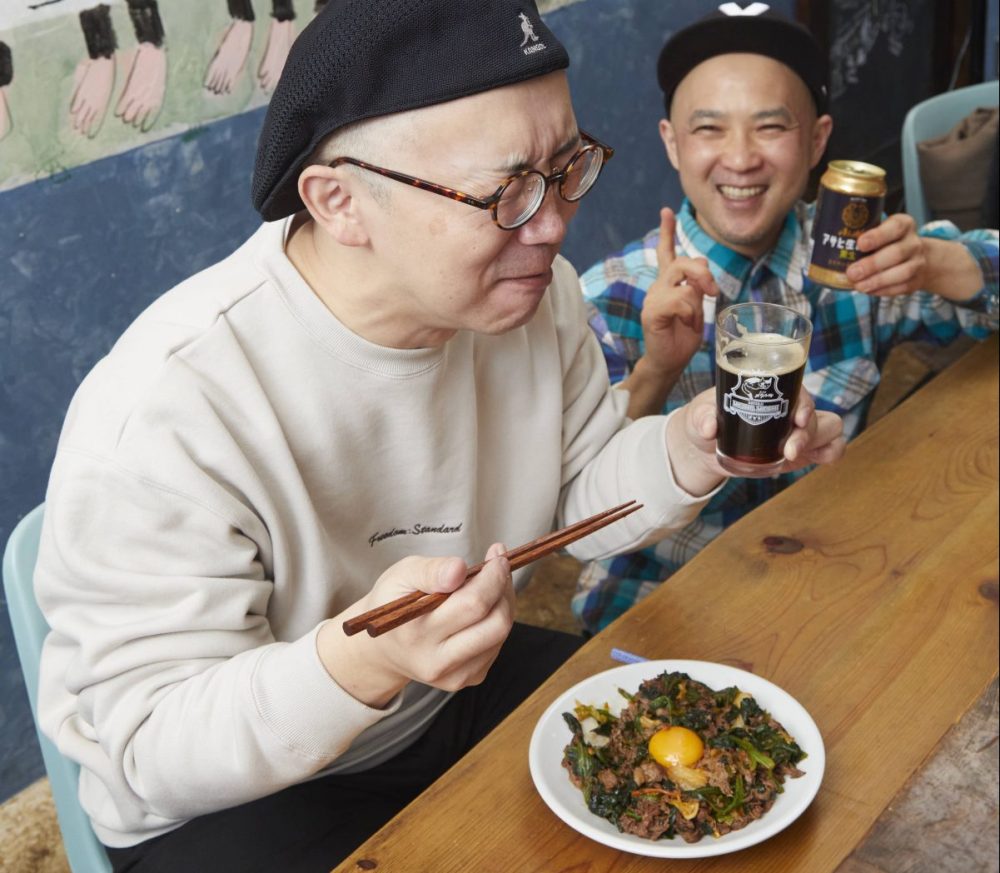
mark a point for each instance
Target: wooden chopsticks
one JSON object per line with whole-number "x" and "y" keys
{"x": 401, "y": 610}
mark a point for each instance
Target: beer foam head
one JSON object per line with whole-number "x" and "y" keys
{"x": 768, "y": 353}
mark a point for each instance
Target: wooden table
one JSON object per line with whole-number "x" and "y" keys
{"x": 868, "y": 591}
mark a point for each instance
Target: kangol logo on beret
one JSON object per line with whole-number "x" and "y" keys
{"x": 531, "y": 43}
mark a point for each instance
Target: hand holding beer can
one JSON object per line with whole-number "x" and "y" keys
{"x": 850, "y": 201}
{"x": 760, "y": 355}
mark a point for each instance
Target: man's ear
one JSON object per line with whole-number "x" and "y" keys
{"x": 330, "y": 195}
{"x": 820, "y": 136}
{"x": 670, "y": 141}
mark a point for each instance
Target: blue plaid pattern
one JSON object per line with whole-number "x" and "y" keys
{"x": 852, "y": 336}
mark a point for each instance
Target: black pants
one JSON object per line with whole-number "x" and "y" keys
{"x": 311, "y": 827}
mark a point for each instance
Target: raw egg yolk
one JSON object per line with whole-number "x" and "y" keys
{"x": 675, "y": 745}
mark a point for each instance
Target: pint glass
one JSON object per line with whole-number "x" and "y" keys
{"x": 760, "y": 355}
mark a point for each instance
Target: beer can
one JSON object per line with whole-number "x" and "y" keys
{"x": 850, "y": 201}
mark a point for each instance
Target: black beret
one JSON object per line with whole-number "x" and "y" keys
{"x": 765, "y": 33}
{"x": 360, "y": 59}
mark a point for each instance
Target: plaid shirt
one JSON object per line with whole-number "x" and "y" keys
{"x": 852, "y": 336}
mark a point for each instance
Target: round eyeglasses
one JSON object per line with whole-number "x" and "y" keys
{"x": 519, "y": 197}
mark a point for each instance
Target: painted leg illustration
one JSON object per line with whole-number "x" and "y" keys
{"x": 6, "y": 77}
{"x": 142, "y": 97}
{"x": 280, "y": 36}
{"x": 95, "y": 74}
{"x": 230, "y": 57}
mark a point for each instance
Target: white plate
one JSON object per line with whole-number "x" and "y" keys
{"x": 551, "y": 735}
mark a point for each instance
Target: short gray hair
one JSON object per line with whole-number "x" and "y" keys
{"x": 363, "y": 140}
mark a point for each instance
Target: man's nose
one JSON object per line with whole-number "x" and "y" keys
{"x": 740, "y": 152}
{"x": 548, "y": 225}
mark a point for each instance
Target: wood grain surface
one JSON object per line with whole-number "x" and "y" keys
{"x": 868, "y": 591}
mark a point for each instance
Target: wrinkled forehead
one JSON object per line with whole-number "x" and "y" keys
{"x": 749, "y": 81}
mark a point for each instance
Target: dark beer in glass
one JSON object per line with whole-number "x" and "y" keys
{"x": 760, "y": 356}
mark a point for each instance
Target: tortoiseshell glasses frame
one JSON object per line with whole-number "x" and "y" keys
{"x": 532, "y": 185}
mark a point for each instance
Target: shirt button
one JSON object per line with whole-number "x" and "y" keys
{"x": 839, "y": 400}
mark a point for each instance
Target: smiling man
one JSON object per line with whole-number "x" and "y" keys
{"x": 744, "y": 134}
{"x": 746, "y": 121}
{"x": 392, "y": 374}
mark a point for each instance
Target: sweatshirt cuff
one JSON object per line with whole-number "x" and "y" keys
{"x": 654, "y": 441}
{"x": 658, "y": 487}
{"x": 302, "y": 704}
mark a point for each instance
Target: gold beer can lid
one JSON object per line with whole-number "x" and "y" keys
{"x": 854, "y": 177}
{"x": 858, "y": 168}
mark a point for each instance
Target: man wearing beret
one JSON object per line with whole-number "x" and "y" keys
{"x": 746, "y": 98}
{"x": 392, "y": 374}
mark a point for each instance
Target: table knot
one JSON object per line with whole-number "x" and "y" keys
{"x": 782, "y": 545}
{"x": 990, "y": 590}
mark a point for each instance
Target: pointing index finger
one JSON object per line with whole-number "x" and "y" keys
{"x": 666, "y": 250}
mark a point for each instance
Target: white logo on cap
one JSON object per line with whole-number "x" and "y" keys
{"x": 735, "y": 9}
{"x": 529, "y": 36}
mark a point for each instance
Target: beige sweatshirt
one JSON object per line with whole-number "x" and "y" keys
{"x": 240, "y": 468}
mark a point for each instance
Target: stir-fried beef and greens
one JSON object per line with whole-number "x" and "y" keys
{"x": 679, "y": 759}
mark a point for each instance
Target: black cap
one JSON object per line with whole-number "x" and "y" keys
{"x": 361, "y": 59}
{"x": 763, "y": 33}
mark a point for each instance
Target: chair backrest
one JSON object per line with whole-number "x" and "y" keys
{"x": 83, "y": 849}
{"x": 934, "y": 117}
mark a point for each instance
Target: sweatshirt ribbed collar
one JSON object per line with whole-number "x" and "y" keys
{"x": 324, "y": 327}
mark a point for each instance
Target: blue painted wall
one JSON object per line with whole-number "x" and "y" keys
{"x": 80, "y": 256}
{"x": 83, "y": 253}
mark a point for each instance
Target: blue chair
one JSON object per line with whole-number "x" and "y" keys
{"x": 83, "y": 849}
{"x": 935, "y": 117}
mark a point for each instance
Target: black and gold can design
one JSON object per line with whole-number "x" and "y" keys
{"x": 850, "y": 201}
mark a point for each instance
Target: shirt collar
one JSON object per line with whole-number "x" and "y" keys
{"x": 790, "y": 257}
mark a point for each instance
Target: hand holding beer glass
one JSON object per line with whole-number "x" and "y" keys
{"x": 760, "y": 355}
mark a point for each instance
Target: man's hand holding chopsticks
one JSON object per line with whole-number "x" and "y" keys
{"x": 817, "y": 438}
{"x": 449, "y": 648}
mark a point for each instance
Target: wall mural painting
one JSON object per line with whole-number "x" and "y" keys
{"x": 142, "y": 96}
{"x": 6, "y": 77}
{"x": 81, "y": 80}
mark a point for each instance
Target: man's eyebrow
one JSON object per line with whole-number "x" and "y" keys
{"x": 705, "y": 115}
{"x": 516, "y": 163}
{"x": 778, "y": 112}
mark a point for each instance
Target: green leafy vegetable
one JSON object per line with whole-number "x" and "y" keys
{"x": 741, "y": 769}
